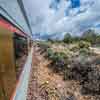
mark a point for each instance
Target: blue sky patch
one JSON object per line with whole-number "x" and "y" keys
{"x": 98, "y": 25}
{"x": 54, "y": 4}
{"x": 75, "y": 3}
{"x": 57, "y": 1}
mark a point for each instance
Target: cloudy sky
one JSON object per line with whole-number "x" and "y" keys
{"x": 60, "y": 16}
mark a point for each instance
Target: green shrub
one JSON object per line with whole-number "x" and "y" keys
{"x": 67, "y": 38}
{"x": 59, "y": 56}
{"x": 84, "y": 51}
{"x": 75, "y": 48}
{"x": 50, "y": 53}
{"x": 83, "y": 44}
{"x": 43, "y": 46}
{"x": 58, "y": 60}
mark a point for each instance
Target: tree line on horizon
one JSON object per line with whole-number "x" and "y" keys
{"x": 89, "y": 36}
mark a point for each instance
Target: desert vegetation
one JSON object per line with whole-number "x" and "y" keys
{"x": 73, "y": 59}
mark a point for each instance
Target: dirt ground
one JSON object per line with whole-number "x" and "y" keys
{"x": 47, "y": 85}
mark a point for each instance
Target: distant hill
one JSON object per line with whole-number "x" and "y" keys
{"x": 41, "y": 36}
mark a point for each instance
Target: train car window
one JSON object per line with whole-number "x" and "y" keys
{"x": 21, "y": 52}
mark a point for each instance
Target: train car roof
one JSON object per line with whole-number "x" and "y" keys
{"x": 10, "y": 26}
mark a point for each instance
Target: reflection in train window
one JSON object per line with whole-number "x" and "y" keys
{"x": 21, "y": 52}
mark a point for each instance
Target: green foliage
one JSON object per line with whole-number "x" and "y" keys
{"x": 98, "y": 39}
{"x": 89, "y": 36}
{"x": 59, "y": 56}
{"x": 55, "y": 56}
{"x": 75, "y": 48}
{"x": 43, "y": 45}
{"x": 50, "y": 53}
{"x": 84, "y": 51}
{"x": 76, "y": 39}
{"x": 67, "y": 38}
{"x": 50, "y": 40}
{"x": 84, "y": 44}
{"x": 54, "y": 41}
{"x": 58, "y": 59}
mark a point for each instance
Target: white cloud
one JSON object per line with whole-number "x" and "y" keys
{"x": 77, "y": 20}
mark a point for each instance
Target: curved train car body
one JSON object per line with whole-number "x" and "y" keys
{"x": 14, "y": 47}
